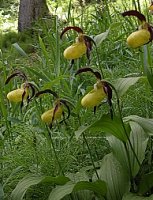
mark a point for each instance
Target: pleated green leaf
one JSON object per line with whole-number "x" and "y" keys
{"x": 30, "y": 180}
{"x": 107, "y": 125}
{"x": 101, "y": 37}
{"x": 98, "y": 187}
{"x": 112, "y": 126}
{"x": 139, "y": 140}
{"x": 19, "y": 49}
{"x": 145, "y": 123}
{"x": 81, "y": 130}
{"x": 123, "y": 84}
{"x": 113, "y": 174}
{"x": 131, "y": 196}
{"x": 146, "y": 183}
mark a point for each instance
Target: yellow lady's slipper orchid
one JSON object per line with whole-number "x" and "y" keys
{"x": 75, "y": 51}
{"x": 93, "y": 98}
{"x": 82, "y": 45}
{"x": 16, "y": 95}
{"x": 57, "y": 111}
{"x": 21, "y": 94}
{"x": 49, "y": 115}
{"x": 138, "y": 38}
{"x": 143, "y": 35}
{"x": 101, "y": 90}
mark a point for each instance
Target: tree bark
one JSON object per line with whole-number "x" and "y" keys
{"x": 29, "y": 11}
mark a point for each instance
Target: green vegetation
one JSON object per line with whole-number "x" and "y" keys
{"x": 101, "y": 155}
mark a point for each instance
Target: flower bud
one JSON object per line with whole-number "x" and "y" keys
{"x": 16, "y": 95}
{"x": 93, "y": 98}
{"x": 47, "y": 116}
{"x": 75, "y": 51}
{"x": 138, "y": 38}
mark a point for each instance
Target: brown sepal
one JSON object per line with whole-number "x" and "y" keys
{"x": 32, "y": 87}
{"x": 85, "y": 69}
{"x": 45, "y": 92}
{"x": 64, "y": 102}
{"x": 88, "y": 69}
{"x": 76, "y": 28}
{"x": 150, "y": 29}
{"x": 17, "y": 73}
{"x": 108, "y": 91}
{"x": 135, "y": 13}
{"x": 22, "y": 99}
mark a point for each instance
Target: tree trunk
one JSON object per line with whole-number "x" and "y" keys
{"x": 29, "y": 11}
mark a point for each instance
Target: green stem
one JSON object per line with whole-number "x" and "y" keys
{"x": 54, "y": 150}
{"x": 146, "y": 63}
{"x": 121, "y": 118}
{"x": 98, "y": 59}
{"x": 92, "y": 161}
{"x": 130, "y": 168}
{"x": 85, "y": 139}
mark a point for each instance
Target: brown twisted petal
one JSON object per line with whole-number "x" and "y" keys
{"x": 17, "y": 73}
{"x": 64, "y": 102}
{"x": 76, "y": 28}
{"x": 88, "y": 69}
{"x": 45, "y": 92}
{"x": 85, "y": 69}
{"x": 135, "y": 13}
{"x": 150, "y": 29}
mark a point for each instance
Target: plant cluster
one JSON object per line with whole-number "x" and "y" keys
{"x": 126, "y": 172}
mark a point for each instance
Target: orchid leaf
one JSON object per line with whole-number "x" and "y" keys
{"x": 146, "y": 183}
{"x": 113, "y": 174}
{"x": 145, "y": 123}
{"x": 98, "y": 187}
{"x": 101, "y": 37}
{"x": 131, "y": 196}
{"x": 108, "y": 126}
{"x": 19, "y": 50}
{"x": 138, "y": 139}
{"x": 30, "y": 180}
{"x": 123, "y": 84}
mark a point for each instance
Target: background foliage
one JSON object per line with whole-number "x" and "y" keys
{"x": 27, "y": 159}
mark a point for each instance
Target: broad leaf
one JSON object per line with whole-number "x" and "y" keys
{"x": 19, "y": 49}
{"x": 146, "y": 183}
{"x": 98, "y": 187}
{"x": 81, "y": 130}
{"x": 138, "y": 139}
{"x": 123, "y": 84}
{"x": 116, "y": 180}
{"x": 107, "y": 125}
{"x": 79, "y": 176}
{"x": 131, "y": 196}
{"x": 111, "y": 126}
{"x": 101, "y": 37}
{"x": 30, "y": 180}
{"x": 146, "y": 66}
{"x": 147, "y": 124}
{"x": 61, "y": 191}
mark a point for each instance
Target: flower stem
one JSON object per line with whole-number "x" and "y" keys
{"x": 92, "y": 161}
{"x": 54, "y": 150}
{"x": 85, "y": 139}
{"x": 121, "y": 118}
{"x": 98, "y": 59}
